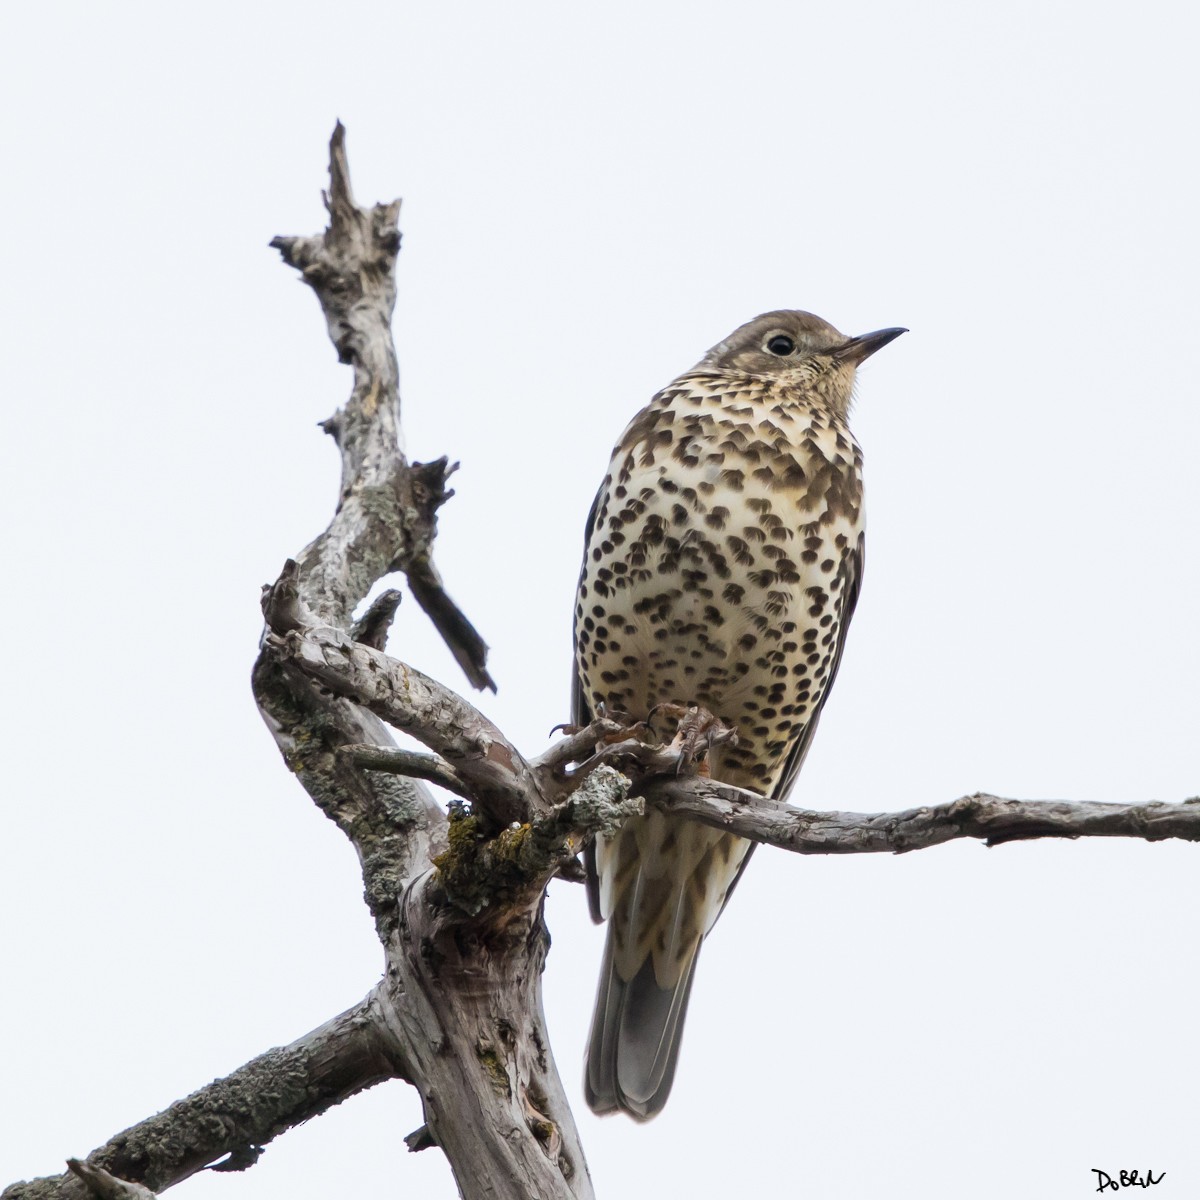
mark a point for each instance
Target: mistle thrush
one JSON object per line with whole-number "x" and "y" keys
{"x": 724, "y": 556}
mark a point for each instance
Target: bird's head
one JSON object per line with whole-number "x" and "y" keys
{"x": 799, "y": 352}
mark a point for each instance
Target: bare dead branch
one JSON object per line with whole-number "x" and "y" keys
{"x": 387, "y": 509}
{"x": 241, "y": 1112}
{"x": 990, "y": 819}
{"x": 419, "y": 1139}
{"x": 372, "y": 627}
{"x": 350, "y": 268}
{"x": 283, "y": 610}
{"x": 429, "y": 491}
{"x": 502, "y": 786}
{"x": 391, "y": 821}
{"x": 429, "y": 767}
{"x": 463, "y": 1000}
{"x": 662, "y": 774}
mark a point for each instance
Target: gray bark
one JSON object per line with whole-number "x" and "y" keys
{"x": 990, "y": 819}
{"x": 457, "y": 899}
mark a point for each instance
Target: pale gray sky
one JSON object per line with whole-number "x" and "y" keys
{"x": 591, "y": 199}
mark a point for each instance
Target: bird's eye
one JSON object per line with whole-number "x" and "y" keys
{"x": 781, "y": 345}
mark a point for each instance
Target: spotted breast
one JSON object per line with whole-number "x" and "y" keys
{"x": 723, "y": 559}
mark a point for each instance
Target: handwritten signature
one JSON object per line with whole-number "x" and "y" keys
{"x": 1125, "y": 1179}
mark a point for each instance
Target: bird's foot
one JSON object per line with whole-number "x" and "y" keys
{"x": 697, "y": 732}
{"x": 618, "y": 740}
{"x": 586, "y": 745}
{"x": 608, "y": 725}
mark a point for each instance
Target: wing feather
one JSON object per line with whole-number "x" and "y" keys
{"x": 581, "y": 714}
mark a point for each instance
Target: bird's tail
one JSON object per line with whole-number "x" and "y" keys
{"x": 634, "y": 1043}
{"x": 661, "y": 884}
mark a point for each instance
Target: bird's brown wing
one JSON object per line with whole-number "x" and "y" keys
{"x": 581, "y": 714}
{"x": 851, "y": 576}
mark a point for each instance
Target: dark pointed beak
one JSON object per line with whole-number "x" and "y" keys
{"x": 860, "y": 348}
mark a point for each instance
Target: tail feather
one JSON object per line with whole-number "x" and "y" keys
{"x": 661, "y": 883}
{"x": 633, "y": 1047}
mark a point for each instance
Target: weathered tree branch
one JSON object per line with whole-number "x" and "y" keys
{"x": 463, "y": 995}
{"x": 503, "y": 786}
{"x": 387, "y": 510}
{"x": 428, "y": 767}
{"x": 428, "y": 483}
{"x": 372, "y": 627}
{"x": 513, "y": 785}
{"x": 240, "y": 1113}
{"x": 990, "y": 819}
{"x": 655, "y": 770}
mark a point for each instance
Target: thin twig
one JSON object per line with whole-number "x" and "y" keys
{"x": 420, "y": 1139}
{"x": 372, "y": 627}
{"x": 427, "y": 483}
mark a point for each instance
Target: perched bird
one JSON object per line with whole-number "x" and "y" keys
{"x": 723, "y": 558}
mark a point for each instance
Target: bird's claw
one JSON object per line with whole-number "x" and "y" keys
{"x": 698, "y": 731}
{"x": 603, "y": 723}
